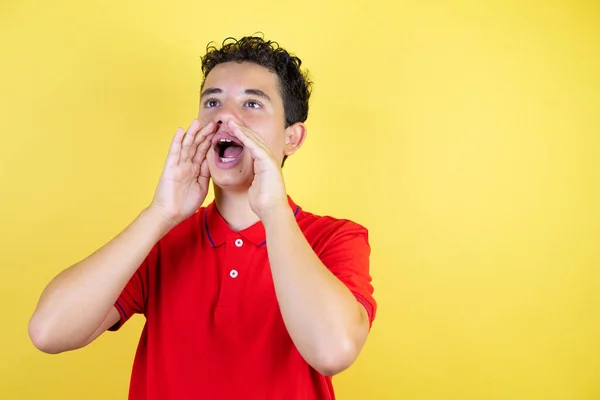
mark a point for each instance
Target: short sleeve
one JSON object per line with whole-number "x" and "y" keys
{"x": 132, "y": 299}
{"x": 347, "y": 257}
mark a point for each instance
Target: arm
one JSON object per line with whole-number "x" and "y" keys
{"x": 79, "y": 300}
{"x": 78, "y": 304}
{"x": 326, "y": 322}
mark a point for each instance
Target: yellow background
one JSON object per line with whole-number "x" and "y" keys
{"x": 464, "y": 135}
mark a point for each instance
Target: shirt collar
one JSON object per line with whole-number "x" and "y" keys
{"x": 217, "y": 229}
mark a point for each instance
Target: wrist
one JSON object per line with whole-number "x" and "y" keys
{"x": 158, "y": 220}
{"x": 277, "y": 215}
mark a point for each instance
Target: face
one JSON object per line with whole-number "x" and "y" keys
{"x": 248, "y": 94}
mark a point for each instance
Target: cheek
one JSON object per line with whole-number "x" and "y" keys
{"x": 276, "y": 144}
{"x": 273, "y": 133}
{"x": 204, "y": 118}
{"x": 273, "y": 137}
{"x": 206, "y": 115}
{"x": 260, "y": 125}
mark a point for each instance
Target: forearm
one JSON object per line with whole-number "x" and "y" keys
{"x": 322, "y": 316}
{"x": 77, "y": 300}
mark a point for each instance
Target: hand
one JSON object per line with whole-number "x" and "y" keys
{"x": 185, "y": 178}
{"x": 267, "y": 192}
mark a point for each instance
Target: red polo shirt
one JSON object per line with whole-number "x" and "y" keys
{"x": 213, "y": 326}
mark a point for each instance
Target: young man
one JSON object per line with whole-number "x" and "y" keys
{"x": 249, "y": 297}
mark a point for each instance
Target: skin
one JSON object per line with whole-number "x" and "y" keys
{"x": 241, "y": 100}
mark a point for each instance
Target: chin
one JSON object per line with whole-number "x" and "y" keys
{"x": 233, "y": 179}
{"x": 231, "y": 184}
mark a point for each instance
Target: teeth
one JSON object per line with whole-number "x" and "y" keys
{"x": 225, "y": 141}
{"x": 227, "y": 159}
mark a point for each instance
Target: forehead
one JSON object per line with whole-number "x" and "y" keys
{"x": 233, "y": 76}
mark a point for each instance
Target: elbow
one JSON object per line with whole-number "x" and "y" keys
{"x": 333, "y": 360}
{"x": 41, "y": 337}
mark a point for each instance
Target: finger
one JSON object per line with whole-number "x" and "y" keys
{"x": 188, "y": 139}
{"x": 204, "y": 176}
{"x": 202, "y": 135}
{"x": 204, "y": 170}
{"x": 249, "y": 140}
{"x": 250, "y": 133}
{"x": 202, "y": 149}
{"x": 175, "y": 148}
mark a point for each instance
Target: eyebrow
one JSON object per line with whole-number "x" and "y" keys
{"x": 210, "y": 91}
{"x": 255, "y": 92}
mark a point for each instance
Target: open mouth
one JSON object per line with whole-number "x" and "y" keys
{"x": 228, "y": 150}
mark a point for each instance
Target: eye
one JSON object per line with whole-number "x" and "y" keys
{"x": 252, "y": 104}
{"x": 210, "y": 103}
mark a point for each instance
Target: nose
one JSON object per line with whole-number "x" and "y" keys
{"x": 225, "y": 114}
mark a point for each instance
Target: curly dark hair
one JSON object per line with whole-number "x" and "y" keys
{"x": 295, "y": 85}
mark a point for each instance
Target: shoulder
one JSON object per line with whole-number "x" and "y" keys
{"x": 325, "y": 230}
{"x": 330, "y": 223}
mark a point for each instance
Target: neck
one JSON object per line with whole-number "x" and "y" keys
{"x": 234, "y": 207}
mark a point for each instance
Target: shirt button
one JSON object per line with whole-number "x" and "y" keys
{"x": 233, "y": 273}
{"x": 239, "y": 242}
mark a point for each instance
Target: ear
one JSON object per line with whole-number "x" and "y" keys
{"x": 294, "y": 138}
